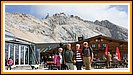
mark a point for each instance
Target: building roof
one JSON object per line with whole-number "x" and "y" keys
{"x": 105, "y": 37}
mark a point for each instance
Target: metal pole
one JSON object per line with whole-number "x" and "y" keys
{"x": 14, "y": 54}
{"x": 9, "y": 51}
{"x": 24, "y": 54}
{"x": 28, "y": 55}
{"x": 19, "y": 54}
{"x": 75, "y": 37}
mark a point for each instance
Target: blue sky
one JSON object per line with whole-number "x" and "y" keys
{"x": 120, "y": 7}
{"x": 20, "y": 9}
{"x": 117, "y": 14}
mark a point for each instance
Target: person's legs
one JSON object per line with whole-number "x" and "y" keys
{"x": 59, "y": 67}
{"x": 79, "y": 65}
{"x": 71, "y": 66}
{"x": 10, "y": 67}
{"x": 63, "y": 67}
{"x": 66, "y": 68}
{"x": 7, "y": 67}
{"x": 86, "y": 61}
{"x": 68, "y": 65}
{"x": 89, "y": 59}
{"x": 109, "y": 64}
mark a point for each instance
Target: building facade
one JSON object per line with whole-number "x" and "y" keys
{"x": 24, "y": 52}
{"x": 98, "y": 44}
{"x": 21, "y": 51}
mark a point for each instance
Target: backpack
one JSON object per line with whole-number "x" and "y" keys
{"x": 89, "y": 51}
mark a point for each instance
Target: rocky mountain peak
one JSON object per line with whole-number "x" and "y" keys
{"x": 59, "y": 27}
{"x": 117, "y": 32}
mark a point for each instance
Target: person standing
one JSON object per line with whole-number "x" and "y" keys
{"x": 87, "y": 55}
{"x": 78, "y": 57}
{"x": 109, "y": 56}
{"x": 69, "y": 57}
{"x": 60, "y": 50}
{"x": 57, "y": 60}
{"x": 9, "y": 63}
{"x": 115, "y": 61}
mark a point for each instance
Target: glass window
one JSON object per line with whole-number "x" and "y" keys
{"x": 104, "y": 45}
{"x": 38, "y": 55}
{"x": 6, "y": 52}
{"x": 31, "y": 55}
{"x": 99, "y": 45}
{"x": 12, "y": 51}
{"x": 94, "y": 45}
{"x": 26, "y": 55}
{"x": 22, "y": 54}
{"x": 16, "y": 54}
{"x": 9, "y": 51}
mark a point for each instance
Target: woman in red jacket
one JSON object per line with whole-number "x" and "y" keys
{"x": 57, "y": 61}
{"x": 9, "y": 63}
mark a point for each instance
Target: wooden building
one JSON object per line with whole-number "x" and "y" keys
{"x": 98, "y": 44}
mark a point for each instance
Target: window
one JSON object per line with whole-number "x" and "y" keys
{"x": 104, "y": 45}
{"x": 93, "y": 45}
{"x": 99, "y": 45}
{"x": 22, "y": 54}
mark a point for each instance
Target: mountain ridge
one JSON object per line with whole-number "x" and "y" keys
{"x": 59, "y": 28}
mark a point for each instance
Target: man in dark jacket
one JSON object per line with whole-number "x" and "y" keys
{"x": 69, "y": 57}
{"x": 87, "y": 56}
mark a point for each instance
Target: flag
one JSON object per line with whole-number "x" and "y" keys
{"x": 106, "y": 50}
{"x": 118, "y": 53}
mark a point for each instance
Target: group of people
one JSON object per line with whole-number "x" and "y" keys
{"x": 69, "y": 57}
{"x": 113, "y": 61}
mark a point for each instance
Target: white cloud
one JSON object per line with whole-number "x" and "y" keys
{"x": 87, "y": 12}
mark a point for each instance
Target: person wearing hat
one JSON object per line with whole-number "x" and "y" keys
{"x": 109, "y": 56}
{"x": 87, "y": 56}
{"x": 78, "y": 57}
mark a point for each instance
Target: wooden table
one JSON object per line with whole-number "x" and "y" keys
{"x": 51, "y": 64}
